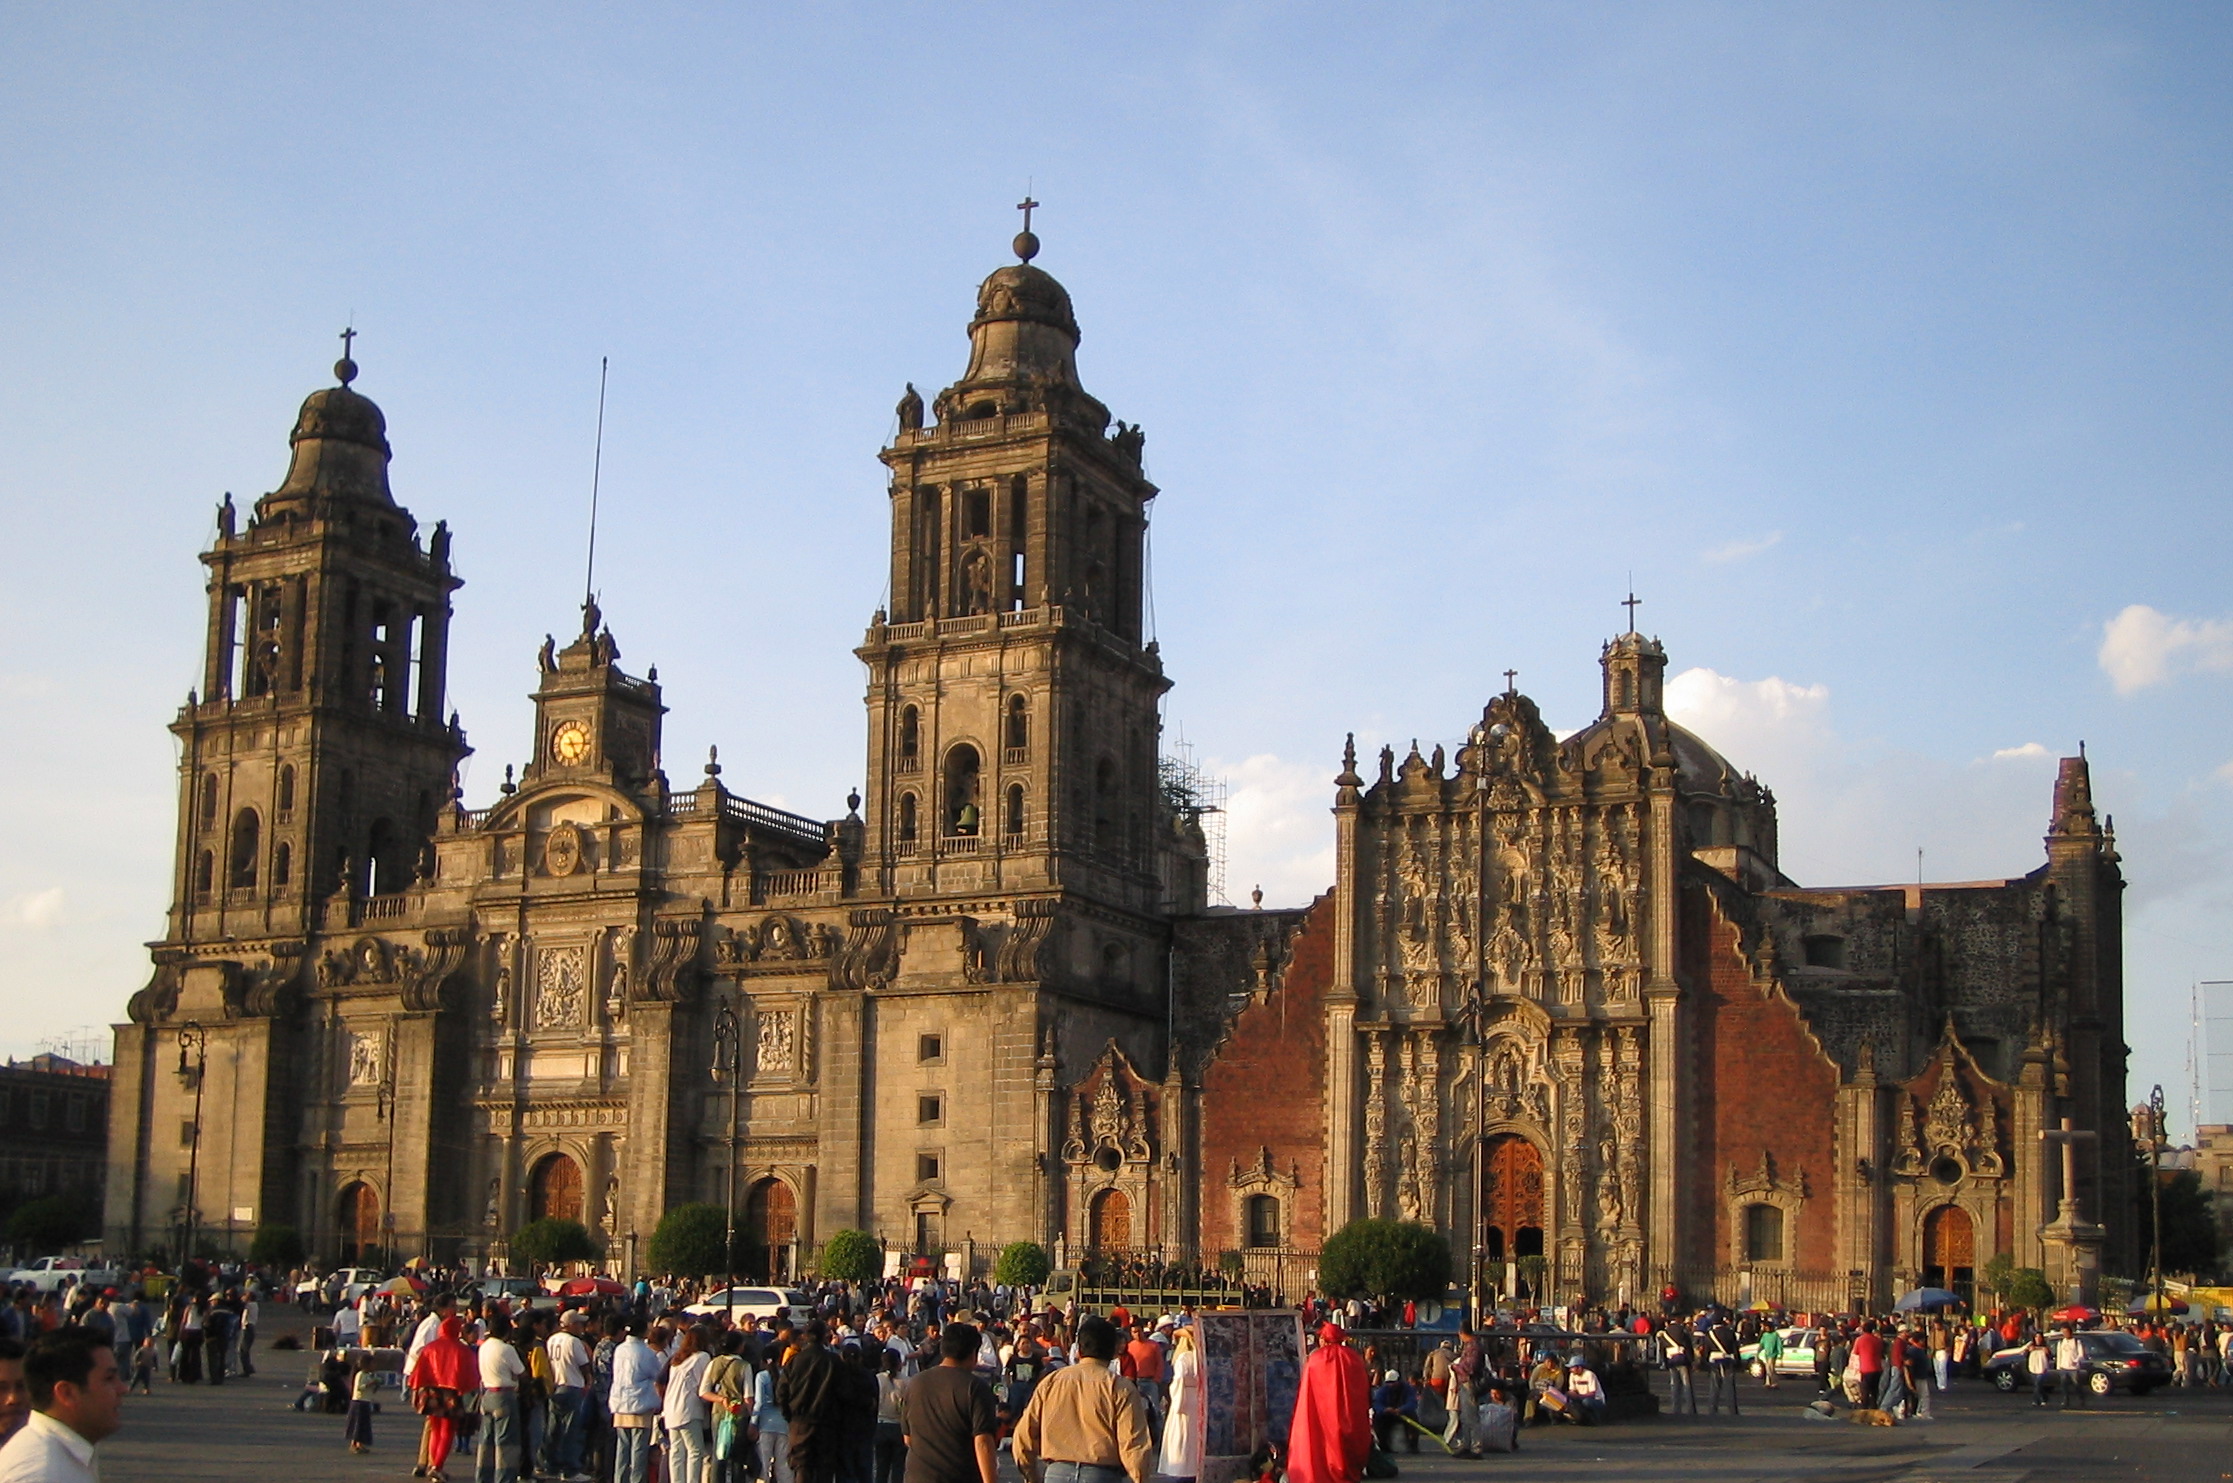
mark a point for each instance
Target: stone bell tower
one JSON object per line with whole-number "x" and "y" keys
{"x": 1012, "y": 701}
{"x": 316, "y": 751}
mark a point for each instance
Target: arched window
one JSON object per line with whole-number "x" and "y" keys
{"x": 1012, "y": 820}
{"x": 1763, "y": 1233}
{"x": 247, "y": 848}
{"x": 282, "y": 864}
{"x": 962, "y": 768}
{"x": 1018, "y": 738}
{"x": 910, "y": 739}
{"x": 380, "y": 863}
{"x": 1104, "y": 802}
{"x": 205, "y": 875}
{"x": 209, "y": 799}
{"x": 907, "y": 825}
{"x": 286, "y": 790}
{"x": 1263, "y": 1220}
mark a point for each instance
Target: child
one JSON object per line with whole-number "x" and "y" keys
{"x": 364, "y": 1388}
{"x": 143, "y": 1366}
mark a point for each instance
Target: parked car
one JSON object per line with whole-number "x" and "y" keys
{"x": 50, "y": 1272}
{"x": 517, "y": 1292}
{"x": 2114, "y": 1361}
{"x": 335, "y": 1288}
{"x": 755, "y": 1303}
{"x": 1798, "y": 1355}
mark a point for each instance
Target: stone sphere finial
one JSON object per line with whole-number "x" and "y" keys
{"x": 1026, "y": 245}
{"x": 344, "y": 370}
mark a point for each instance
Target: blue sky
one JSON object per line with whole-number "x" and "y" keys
{"x": 1887, "y": 347}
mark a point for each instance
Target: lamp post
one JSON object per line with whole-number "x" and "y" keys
{"x": 2148, "y": 1132}
{"x": 193, "y": 1063}
{"x": 728, "y": 1066}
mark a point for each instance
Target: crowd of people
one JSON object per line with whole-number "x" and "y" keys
{"x": 902, "y": 1382}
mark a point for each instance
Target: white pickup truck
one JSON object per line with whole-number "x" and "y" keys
{"x": 50, "y": 1272}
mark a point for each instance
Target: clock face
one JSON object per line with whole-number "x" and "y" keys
{"x": 569, "y": 744}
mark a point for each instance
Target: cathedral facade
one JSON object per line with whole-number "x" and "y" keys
{"x": 1559, "y": 1002}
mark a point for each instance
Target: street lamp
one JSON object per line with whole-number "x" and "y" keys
{"x": 193, "y": 1063}
{"x": 728, "y": 1066}
{"x": 2148, "y": 1133}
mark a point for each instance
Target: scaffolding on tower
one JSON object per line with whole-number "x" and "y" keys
{"x": 1190, "y": 791}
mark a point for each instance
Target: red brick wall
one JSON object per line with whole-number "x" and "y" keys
{"x": 1266, "y": 1089}
{"x": 1762, "y": 1084}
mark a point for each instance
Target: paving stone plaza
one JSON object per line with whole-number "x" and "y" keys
{"x": 246, "y": 1431}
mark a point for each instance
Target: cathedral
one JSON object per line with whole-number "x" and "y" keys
{"x": 1559, "y": 1000}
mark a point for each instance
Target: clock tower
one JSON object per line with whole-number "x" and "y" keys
{"x": 592, "y": 720}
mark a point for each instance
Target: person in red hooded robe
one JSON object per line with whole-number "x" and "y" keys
{"x": 1332, "y": 1430}
{"x": 443, "y": 1381}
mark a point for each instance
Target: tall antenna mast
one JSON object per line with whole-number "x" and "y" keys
{"x": 596, "y": 475}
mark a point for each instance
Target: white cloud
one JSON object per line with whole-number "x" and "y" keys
{"x": 1739, "y": 550}
{"x": 1279, "y": 828}
{"x": 37, "y": 910}
{"x": 2024, "y": 753}
{"x": 1772, "y": 726}
{"x": 2142, "y": 647}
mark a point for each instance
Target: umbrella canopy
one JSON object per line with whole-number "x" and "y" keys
{"x": 2146, "y": 1305}
{"x": 1927, "y": 1297}
{"x": 2075, "y": 1313}
{"x": 400, "y": 1285}
{"x": 417, "y": 1264}
{"x": 1761, "y": 1305}
{"x": 582, "y": 1287}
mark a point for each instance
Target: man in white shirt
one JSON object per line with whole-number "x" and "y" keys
{"x": 634, "y": 1401}
{"x": 348, "y": 1327}
{"x": 2070, "y": 1367}
{"x": 497, "y": 1458}
{"x": 77, "y": 1395}
{"x": 569, "y": 1362}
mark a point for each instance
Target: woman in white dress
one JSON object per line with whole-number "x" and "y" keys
{"x": 1182, "y": 1428}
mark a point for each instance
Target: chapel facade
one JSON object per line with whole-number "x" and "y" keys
{"x": 1559, "y": 1001}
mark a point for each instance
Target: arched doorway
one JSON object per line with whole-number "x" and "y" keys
{"x": 771, "y": 1229}
{"x": 554, "y": 1190}
{"x": 358, "y": 1215}
{"x": 1511, "y": 1203}
{"x": 1950, "y": 1252}
{"x": 1111, "y": 1221}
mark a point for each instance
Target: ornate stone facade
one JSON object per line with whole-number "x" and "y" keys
{"x": 1560, "y": 1002}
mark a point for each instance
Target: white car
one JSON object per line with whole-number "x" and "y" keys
{"x": 50, "y": 1272}
{"x": 751, "y": 1304}
{"x": 336, "y": 1288}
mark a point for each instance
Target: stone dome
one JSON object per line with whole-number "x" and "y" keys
{"x": 1021, "y": 292}
{"x": 343, "y": 415}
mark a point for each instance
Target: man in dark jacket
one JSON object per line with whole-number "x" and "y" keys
{"x": 814, "y": 1393}
{"x": 1721, "y": 1346}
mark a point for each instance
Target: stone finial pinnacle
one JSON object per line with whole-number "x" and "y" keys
{"x": 1027, "y": 242}
{"x": 345, "y": 369}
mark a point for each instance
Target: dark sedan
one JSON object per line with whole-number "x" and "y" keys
{"x": 2114, "y": 1361}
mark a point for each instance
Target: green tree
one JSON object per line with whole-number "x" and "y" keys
{"x": 2190, "y": 1238}
{"x": 2028, "y": 1288}
{"x": 1532, "y": 1269}
{"x": 1022, "y": 1264}
{"x": 1375, "y": 1258}
{"x": 688, "y": 1242}
{"x": 852, "y": 1256}
{"x": 1999, "y": 1270}
{"x": 276, "y": 1246}
{"x": 54, "y": 1221}
{"x": 549, "y": 1241}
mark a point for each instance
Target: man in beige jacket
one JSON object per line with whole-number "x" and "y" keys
{"x": 1085, "y": 1423}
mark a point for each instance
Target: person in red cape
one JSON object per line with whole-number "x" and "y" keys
{"x": 442, "y": 1380}
{"x": 1332, "y": 1430}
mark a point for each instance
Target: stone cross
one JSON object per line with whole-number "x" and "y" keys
{"x": 2068, "y": 1135}
{"x": 1632, "y": 604}
{"x": 347, "y": 336}
{"x": 1510, "y": 675}
{"x": 1027, "y": 206}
